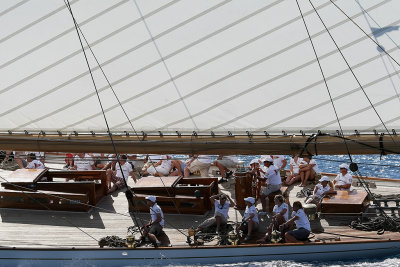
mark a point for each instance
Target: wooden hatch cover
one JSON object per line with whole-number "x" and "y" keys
{"x": 344, "y": 201}
{"x": 157, "y": 182}
{"x": 27, "y": 175}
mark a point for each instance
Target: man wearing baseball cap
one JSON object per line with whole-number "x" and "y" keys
{"x": 320, "y": 190}
{"x": 156, "y": 223}
{"x": 343, "y": 180}
{"x": 273, "y": 179}
{"x": 250, "y": 218}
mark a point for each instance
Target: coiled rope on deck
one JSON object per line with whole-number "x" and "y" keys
{"x": 379, "y": 224}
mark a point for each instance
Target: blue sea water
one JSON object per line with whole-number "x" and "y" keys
{"x": 387, "y": 166}
{"x": 389, "y": 262}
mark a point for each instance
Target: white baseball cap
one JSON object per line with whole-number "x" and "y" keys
{"x": 344, "y": 166}
{"x": 151, "y": 198}
{"x": 254, "y": 161}
{"x": 267, "y": 158}
{"x": 324, "y": 179}
{"x": 250, "y": 199}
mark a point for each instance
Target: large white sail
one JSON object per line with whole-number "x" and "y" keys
{"x": 198, "y": 66}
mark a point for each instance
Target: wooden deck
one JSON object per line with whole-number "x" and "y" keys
{"x": 34, "y": 228}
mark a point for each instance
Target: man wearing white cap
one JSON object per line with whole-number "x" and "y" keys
{"x": 221, "y": 212}
{"x": 320, "y": 190}
{"x": 343, "y": 180}
{"x": 250, "y": 219}
{"x": 273, "y": 180}
{"x": 156, "y": 224}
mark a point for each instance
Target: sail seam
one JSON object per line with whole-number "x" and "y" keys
{"x": 24, "y": 28}
{"x": 58, "y": 36}
{"x": 52, "y": 65}
{"x": 11, "y": 8}
{"x": 266, "y": 82}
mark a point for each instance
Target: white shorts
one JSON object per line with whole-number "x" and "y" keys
{"x": 227, "y": 163}
{"x": 158, "y": 169}
{"x": 197, "y": 165}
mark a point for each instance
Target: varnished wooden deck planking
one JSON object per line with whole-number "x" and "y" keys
{"x": 30, "y": 228}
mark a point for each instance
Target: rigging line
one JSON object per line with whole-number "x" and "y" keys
{"x": 128, "y": 192}
{"x": 376, "y": 39}
{"x": 323, "y": 76}
{"x": 165, "y": 64}
{"x": 45, "y": 206}
{"x": 88, "y": 205}
{"x": 124, "y": 111}
{"x": 362, "y": 143}
{"x": 63, "y": 198}
{"x": 372, "y": 196}
{"x": 120, "y": 104}
{"x": 152, "y": 64}
{"x": 108, "y": 81}
{"x": 359, "y": 163}
{"x": 351, "y": 70}
{"x": 382, "y": 48}
{"x": 84, "y": 204}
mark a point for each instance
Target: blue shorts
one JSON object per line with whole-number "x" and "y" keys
{"x": 300, "y": 234}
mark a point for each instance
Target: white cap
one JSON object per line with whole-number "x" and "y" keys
{"x": 151, "y": 198}
{"x": 344, "y": 166}
{"x": 324, "y": 179}
{"x": 254, "y": 161}
{"x": 250, "y": 199}
{"x": 267, "y": 158}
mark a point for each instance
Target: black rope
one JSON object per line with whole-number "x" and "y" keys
{"x": 359, "y": 163}
{"x": 353, "y": 236}
{"x": 46, "y": 207}
{"x": 128, "y": 193}
{"x": 353, "y": 166}
{"x": 366, "y": 34}
{"x": 379, "y": 224}
{"x": 323, "y": 76}
{"x": 352, "y": 72}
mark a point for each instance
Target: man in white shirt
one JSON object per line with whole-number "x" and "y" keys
{"x": 117, "y": 176}
{"x": 273, "y": 180}
{"x": 156, "y": 223}
{"x": 224, "y": 163}
{"x": 200, "y": 163}
{"x": 343, "y": 180}
{"x": 221, "y": 212}
{"x": 83, "y": 162}
{"x": 33, "y": 163}
{"x": 161, "y": 167}
{"x": 250, "y": 218}
{"x": 303, "y": 227}
{"x": 280, "y": 215}
{"x": 320, "y": 190}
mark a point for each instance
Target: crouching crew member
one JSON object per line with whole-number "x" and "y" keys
{"x": 156, "y": 224}
{"x": 250, "y": 220}
{"x": 221, "y": 212}
{"x": 280, "y": 216}
{"x": 303, "y": 228}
